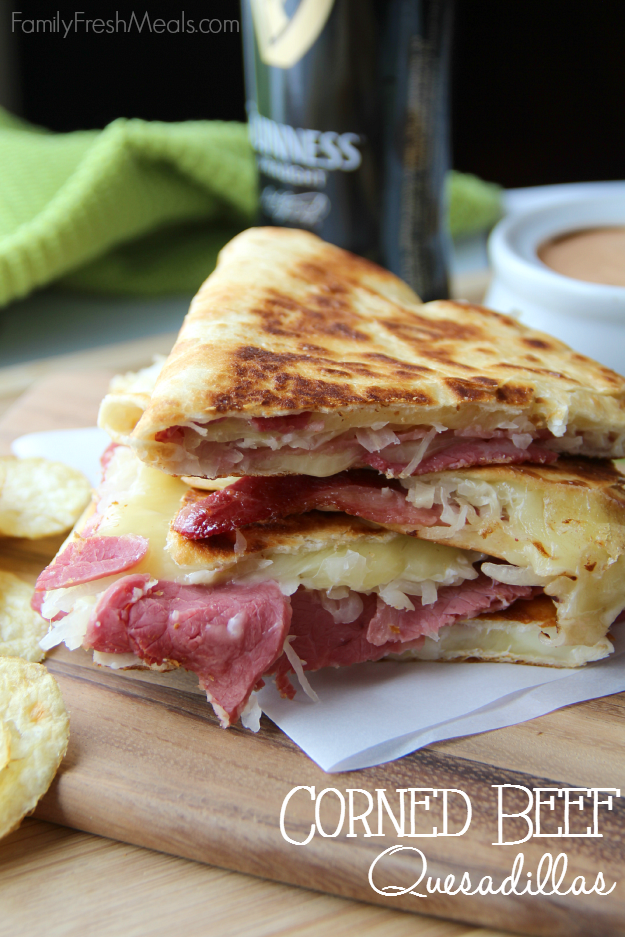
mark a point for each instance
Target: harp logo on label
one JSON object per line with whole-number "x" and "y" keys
{"x": 550, "y": 812}
{"x": 295, "y": 156}
{"x": 283, "y": 40}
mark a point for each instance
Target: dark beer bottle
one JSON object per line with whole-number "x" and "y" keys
{"x": 348, "y": 112}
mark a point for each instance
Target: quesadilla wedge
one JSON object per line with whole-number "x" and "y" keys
{"x": 560, "y": 527}
{"x": 296, "y": 593}
{"x": 298, "y": 357}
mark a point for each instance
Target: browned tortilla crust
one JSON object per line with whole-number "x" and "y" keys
{"x": 540, "y": 610}
{"x": 316, "y": 529}
{"x": 288, "y": 323}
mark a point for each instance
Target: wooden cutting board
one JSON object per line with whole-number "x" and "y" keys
{"x": 148, "y": 764}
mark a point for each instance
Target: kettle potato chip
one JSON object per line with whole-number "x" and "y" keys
{"x": 21, "y": 629}
{"x": 34, "y": 729}
{"x": 39, "y": 498}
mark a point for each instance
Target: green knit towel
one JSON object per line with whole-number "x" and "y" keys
{"x": 68, "y": 200}
{"x": 138, "y": 208}
{"x": 474, "y": 205}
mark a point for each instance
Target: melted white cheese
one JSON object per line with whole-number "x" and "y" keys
{"x": 570, "y": 538}
{"x": 137, "y": 499}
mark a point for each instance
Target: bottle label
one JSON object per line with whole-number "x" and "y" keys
{"x": 284, "y": 40}
{"x": 301, "y": 158}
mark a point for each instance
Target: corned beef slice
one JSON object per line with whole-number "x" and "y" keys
{"x": 229, "y": 635}
{"x": 281, "y": 424}
{"x": 455, "y": 453}
{"x": 380, "y": 630}
{"x": 90, "y": 558}
{"x": 322, "y": 642}
{"x": 454, "y": 603}
{"x": 252, "y": 500}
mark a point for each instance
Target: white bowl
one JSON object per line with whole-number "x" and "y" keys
{"x": 590, "y": 317}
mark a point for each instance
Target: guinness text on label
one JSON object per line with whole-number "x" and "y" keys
{"x": 347, "y": 108}
{"x": 313, "y": 148}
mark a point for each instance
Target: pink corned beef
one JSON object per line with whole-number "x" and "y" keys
{"x": 322, "y": 642}
{"x": 281, "y": 424}
{"x": 173, "y": 434}
{"x": 454, "y": 603}
{"x": 252, "y": 500}
{"x": 91, "y": 526}
{"x": 458, "y": 452}
{"x": 381, "y": 630}
{"x": 230, "y": 635}
{"x": 85, "y": 560}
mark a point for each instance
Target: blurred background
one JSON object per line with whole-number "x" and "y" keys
{"x": 537, "y": 97}
{"x": 538, "y": 88}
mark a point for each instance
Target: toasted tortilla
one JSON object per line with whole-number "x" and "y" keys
{"x": 321, "y": 551}
{"x": 564, "y": 525}
{"x": 289, "y": 324}
{"x": 517, "y": 635}
{"x": 566, "y": 522}
{"x": 334, "y": 553}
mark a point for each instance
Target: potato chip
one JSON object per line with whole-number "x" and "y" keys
{"x": 21, "y": 629}
{"x": 39, "y": 498}
{"x": 5, "y": 746}
{"x": 34, "y": 732}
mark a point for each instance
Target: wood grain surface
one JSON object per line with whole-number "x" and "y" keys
{"x": 61, "y": 883}
{"x": 148, "y": 765}
{"x": 121, "y": 356}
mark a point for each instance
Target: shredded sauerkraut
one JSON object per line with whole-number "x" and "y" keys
{"x": 394, "y": 569}
{"x": 343, "y": 609}
{"x": 297, "y": 666}
{"x": 250, "y": 717}
{"x": 464, "y": 501}
{"x": 71, "y": 629}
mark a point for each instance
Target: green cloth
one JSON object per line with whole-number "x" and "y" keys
{"x": 140, "y": 207}
{"x": 68, "y": 202}
{"x": 474, "y": 205}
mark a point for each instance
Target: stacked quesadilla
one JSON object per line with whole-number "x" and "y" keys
{"x": 326, "y": 471}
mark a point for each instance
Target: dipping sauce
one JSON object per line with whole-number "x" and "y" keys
{"x": 596, "y": 255}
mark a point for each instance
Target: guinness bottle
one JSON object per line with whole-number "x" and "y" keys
{"x": 347, "y": 108}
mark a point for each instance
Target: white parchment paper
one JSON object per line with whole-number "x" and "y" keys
{"x": 372, "y": 713}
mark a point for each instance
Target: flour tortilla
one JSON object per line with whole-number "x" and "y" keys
{"x": 512, "y": 636}
{"x": 568, "y": 535}
{"x": 563, "y": 524}
{"x": 289, "y": 324}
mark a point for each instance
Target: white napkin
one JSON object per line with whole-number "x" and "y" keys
{"x": 372, "y": 713}
{"x": 79, "y": 448}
